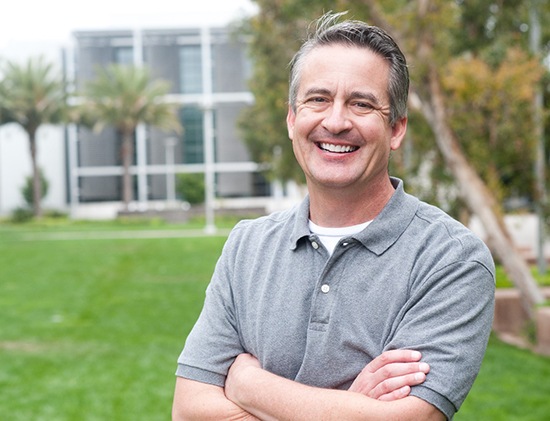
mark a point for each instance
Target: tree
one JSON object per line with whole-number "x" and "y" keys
{"x": 31, "y": 94}
{"x": 490, "y": 110}
{"x": 124, "y": 97}
{"x": 429, "y": 96}
{"x": 430, "y": 33}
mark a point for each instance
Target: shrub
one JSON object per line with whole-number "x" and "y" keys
{"x": 21, "y": 215}
{"x": 191, "y": 187}
{"x": 28, "y": 188}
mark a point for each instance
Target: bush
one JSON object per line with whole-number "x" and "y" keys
{"x": 21, "y": 215}
{"x": 55, "y": 214}
{"x": 191, "y": 187}
{"x": 28, "y": 188}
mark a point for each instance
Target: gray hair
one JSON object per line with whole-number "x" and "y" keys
{"x": 329, "y": 31}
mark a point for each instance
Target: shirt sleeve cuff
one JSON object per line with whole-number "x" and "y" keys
{"x": 436, "y": 399}
{"x": 200, "y": 375}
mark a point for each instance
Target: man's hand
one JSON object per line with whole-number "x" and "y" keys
{"x": 390, "y": 375}
{"x": 242, "y": 362}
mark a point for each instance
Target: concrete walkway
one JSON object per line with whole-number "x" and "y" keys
{"x": 119, "y": 235}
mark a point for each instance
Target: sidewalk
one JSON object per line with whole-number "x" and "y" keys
{"x": 120, "y": 235}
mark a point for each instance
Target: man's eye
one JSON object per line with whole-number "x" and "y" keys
{"x": 317, "y": 100}
{"x": 364, "y": 105}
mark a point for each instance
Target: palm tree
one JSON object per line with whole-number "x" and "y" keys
{"x": 32, "y": 94}
{"x": 124, "y": 97}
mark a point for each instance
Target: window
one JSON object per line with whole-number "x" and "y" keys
{"x": 124, "y": 55}
{"x": 191, "y": 119}
{"x": 190, "y": 69}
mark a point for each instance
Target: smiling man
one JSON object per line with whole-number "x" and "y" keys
{"x": 361, "y": 303}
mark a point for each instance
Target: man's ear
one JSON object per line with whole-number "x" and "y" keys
{"x": 398, "y": 133}
{"x": 290, "y": 119}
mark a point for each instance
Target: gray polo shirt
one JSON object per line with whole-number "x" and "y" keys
{"x": 414, "y": 278}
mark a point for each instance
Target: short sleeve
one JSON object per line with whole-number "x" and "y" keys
{"x": 214, "y": 342}
{"x": 448, "y": 318}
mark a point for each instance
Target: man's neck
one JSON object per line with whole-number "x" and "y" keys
{"x": 347, "y": 207}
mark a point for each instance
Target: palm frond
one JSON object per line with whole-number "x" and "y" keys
{"x": 31, "y": 93}
{"x": 124, "y": 96}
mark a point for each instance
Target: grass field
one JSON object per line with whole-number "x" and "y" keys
{"x": 91, "y": 330}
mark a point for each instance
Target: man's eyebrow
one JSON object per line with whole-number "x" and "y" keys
{"x": 366, "y": 96}
{"x": 317, "y": 91}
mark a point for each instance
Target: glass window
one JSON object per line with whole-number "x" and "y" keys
{"x": 124, "y": 55}
{"x": 190, "y": 69}
{"x": 191, "y": 119}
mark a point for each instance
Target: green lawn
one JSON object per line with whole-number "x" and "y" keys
{"x": 91, "y": 330}
{"x": 513, "y": 384}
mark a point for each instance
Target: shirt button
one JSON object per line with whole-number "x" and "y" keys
{"x": 315, "y": 245}
{"x": 325, "y": 288}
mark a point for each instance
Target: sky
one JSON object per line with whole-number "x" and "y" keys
{"x": 32, "y": 27}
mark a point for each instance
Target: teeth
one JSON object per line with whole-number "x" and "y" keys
{"x": 337, "y": 148}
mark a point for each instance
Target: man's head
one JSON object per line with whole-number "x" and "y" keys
{"x": 357, "y": 34}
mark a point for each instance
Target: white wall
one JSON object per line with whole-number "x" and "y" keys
{"x": 15, "y": 166}
{"x": 523, "y": 229}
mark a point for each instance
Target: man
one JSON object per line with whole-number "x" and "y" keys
{"x": 324, "y": 311}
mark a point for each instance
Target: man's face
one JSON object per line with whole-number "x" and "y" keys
{"x": 340, "y": 131}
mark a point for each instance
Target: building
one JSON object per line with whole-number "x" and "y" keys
{"x": 207, "y": 69}
{"x": 15, "y": 162}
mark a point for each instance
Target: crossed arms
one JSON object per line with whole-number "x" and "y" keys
{"x": 380, "y": 392}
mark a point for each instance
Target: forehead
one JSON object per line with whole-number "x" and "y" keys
{"x": 344, "y": 67}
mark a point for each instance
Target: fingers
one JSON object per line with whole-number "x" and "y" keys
{"x": 389, "y": 378}
{"x": 391, "y": 375}
{"x": 396, "y": 394}
{"x": 393, "y": 356}
{"x": 397, "y": 387}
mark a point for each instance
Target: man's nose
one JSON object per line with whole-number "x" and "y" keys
{"x": 337, "y": 119}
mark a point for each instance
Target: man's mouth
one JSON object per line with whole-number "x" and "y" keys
{"x": 329, "y": 147}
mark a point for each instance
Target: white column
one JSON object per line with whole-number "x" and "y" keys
{"x": 208, "y": 127}
{"x": 170, "y": 144}
{"x": 74, "y": 193}
{"x": 72, "y": 137}
{"x": 141, "y": 165}
{"x": 141, "y": 133}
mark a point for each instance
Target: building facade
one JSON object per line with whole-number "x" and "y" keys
{"x": 207, "y": 69}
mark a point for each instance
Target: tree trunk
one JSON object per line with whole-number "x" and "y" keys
{"x": 127, "y": 158}
{"x": 36, "y": 177}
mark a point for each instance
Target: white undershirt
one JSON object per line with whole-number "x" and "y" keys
{"x": 330, "y": 236}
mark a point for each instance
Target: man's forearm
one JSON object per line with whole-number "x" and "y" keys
{"x": 270, "y": 397}
{"x": 204, "y": 402}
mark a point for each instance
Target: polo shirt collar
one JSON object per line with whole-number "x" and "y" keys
{"x": 301, "y": 224}
{"x": 381, "y": 233}
{"x": 391, "y": 222}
